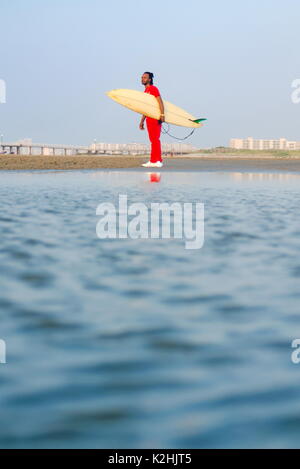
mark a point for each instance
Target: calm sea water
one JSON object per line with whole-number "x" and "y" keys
{"x": 142, "y": 343}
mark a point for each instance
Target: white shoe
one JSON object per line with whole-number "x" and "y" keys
{"x": 158, "y": 164}
{"x": 148, "y": 164}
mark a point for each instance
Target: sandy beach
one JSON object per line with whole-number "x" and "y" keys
{"x": 192, "y": 163}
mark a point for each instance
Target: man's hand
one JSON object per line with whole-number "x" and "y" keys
{"x": 162, "y": 118}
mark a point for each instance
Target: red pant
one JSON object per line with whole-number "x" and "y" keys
{"x": 154, "y": 130}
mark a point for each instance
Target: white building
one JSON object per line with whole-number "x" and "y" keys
{"x": 139, "y": 148}
{"x": 258, "y": 144}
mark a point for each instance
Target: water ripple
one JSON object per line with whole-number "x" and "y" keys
{"x": 136, "y": 343}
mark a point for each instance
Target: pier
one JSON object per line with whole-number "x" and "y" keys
{"x": 45, "y": 149}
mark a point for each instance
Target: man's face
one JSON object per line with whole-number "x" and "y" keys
{"x": 145, "y": 79}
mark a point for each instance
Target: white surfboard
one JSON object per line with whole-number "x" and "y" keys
{"x": 147, "y": 104}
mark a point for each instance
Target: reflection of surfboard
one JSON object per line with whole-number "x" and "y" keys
{"x": 146, "y": 104}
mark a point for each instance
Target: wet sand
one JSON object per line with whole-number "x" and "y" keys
{"x": 192, "y": 163}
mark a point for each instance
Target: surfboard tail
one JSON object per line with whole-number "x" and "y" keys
{"x": 198, "y": 121}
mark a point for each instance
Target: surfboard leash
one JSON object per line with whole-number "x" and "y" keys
{"x": 167, "y": 132}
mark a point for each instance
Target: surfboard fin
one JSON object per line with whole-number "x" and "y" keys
{"x": 197, "y": 121}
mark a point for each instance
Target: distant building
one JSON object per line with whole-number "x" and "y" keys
{"x": 139, "y": 148}
{"x": 251, "y": 143}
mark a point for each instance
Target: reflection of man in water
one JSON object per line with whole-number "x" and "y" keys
{"x": 153, "y": 125}
{"x": 154, "y": 177}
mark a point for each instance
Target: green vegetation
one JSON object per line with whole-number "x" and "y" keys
{"x": 234, "y": 152}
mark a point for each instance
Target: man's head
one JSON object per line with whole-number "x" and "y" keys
{"x": 147, "y": 78}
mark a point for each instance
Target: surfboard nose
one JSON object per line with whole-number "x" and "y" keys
{"x": 111, "y": 94}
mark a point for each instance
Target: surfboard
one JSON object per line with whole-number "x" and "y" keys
{"x": 146, "y": 104}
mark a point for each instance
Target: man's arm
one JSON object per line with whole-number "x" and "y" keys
{"x": 162, "y": 109}
{"x": 162, "y": 113}
{"x": 142, "y": 122}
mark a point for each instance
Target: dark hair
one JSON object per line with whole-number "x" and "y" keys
{"x": 151, "y": 76}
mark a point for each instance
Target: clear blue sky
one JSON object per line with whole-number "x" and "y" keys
{"x": 230, "y": 61}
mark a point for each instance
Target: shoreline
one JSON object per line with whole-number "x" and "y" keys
{"x": 177, "y": 163}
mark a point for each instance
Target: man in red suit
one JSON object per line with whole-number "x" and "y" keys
{"x": 153, "y": 125}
